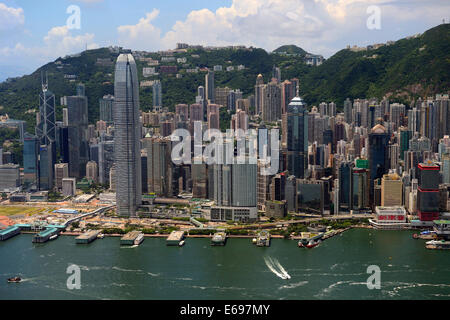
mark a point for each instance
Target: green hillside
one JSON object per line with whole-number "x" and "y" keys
{"x": 403, "y": 70}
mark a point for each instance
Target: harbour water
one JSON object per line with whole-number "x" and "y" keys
{"x": 336, "y": 269}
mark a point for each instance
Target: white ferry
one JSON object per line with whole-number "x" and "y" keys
{"x": 139, "y": 239}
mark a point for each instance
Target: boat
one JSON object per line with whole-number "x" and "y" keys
{"x": 100, "y": 236}
{"x": 307, "y": 237}
{"x": 313, "y": 244}
{"x": 181, "y": 243}
{"x": 53, "y": 237}
{"x": 435, "y": 244}
{"x": 14, "y": 280}
{"x": 254, "y": 240}
{"x": 139, "y": 239}
{"x": 219, "y": 239}
{"x": 300, "y": 244}
{"x": 263, "y": 239}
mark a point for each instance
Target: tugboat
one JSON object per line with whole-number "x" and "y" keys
{"x": 14, "y": 280}
{"x": 313, "y": 244}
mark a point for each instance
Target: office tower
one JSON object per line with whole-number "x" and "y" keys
{"x": 144, "y": 171}
{"x": 405, "y": 137}
{"x": 271, "y": 110}
{"x": 77, "y": 107}
{"x": 391, "y": 190}
{"x": 92, "y": 171}
{"x": 446, "y": 168}
{"x": 259, "y": 94}
{"x": 61, "y": 172}
{"x": 222, "y": 184}
{"x": 157, "y": 93}
{"x": 323, "y": 109}
{"x": 263, "y": 184}
{"x": 209, "y": 87}
{"x": 296, "y": 137}
{"x": 378, "y": 152}
{"x": 345, "y": 182}
{"x": 105, "y": 160}
{"x": 428, "y": 191}
{"x": 45, "y": 167}
{"x": 46, "y": 125}
{"x": 360, "y": 189}
{"x": 276, "y": 74}
{"x": 9, "y": 177}
{"x": 199, "y": 181}
{"x": 277, "y": 187}
{"x": 127, "y": 151}
{"x": 243, "y": 184}
{"x": 106, "y": 109}
{"x": 159, "y": 166}
{"x": 69, "y": 186}
{"x": 93, "y": 153}
{"x": 443, "y": 103}
{"x": 310, "y": 196}
{"x": 288, "y": 92}
{"x": 233, "y": 96}
{"x": 348, "y": 111}
{"x": 30, "y": 161}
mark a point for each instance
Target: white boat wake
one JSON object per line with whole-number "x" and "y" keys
{"x": 275, "y": 266}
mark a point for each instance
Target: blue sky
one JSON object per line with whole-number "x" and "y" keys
{"x": 35, "y": 32}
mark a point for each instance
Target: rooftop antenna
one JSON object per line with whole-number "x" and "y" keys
{"x": 44, "y": 84}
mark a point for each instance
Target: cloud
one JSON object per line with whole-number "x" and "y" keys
{"x": 141, "y": 36}
{"x": 57, "y": 43}
{"x": 10, "y": 17}
{"x": 319, "y": 26}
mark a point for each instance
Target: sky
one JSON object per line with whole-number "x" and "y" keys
{"x": 33, "y": 33}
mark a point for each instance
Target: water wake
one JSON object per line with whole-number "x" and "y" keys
{"x": 275, "y": 266}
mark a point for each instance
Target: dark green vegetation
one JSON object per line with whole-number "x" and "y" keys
{"x": 404, "y": 70}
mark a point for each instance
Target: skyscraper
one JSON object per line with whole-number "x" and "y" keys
{"x": 157, "y": 93}
{"x": 428, "y": 192}
{"x": 296, "y": 137}
{"x": 378, "y": 153}
{"x": 271, "y": 108}
{"x": 209, "y": 87}
{"x": 30, "y": 160}
{"x": 127, "y": 151}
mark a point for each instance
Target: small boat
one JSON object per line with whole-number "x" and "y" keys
{"x": 181, "y": 243}
{"x": 139, "y": 239}
{"x": 53, "y": 237}
{"x": 14, "y": 280}
{"x": 313, "y": 244}
{"x": 100, "y": 236}
{"x": 301, "y": 245}
{"x": 254, "y": 240}
{"x": 415, "y": 236}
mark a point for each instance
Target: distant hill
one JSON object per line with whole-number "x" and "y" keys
{"x": 404, "y": 70}
{"x": 290, "y": 49}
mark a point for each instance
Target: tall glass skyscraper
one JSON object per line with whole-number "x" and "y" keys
{"x": 127, "y": 151}
{"x": 296, "y": 132}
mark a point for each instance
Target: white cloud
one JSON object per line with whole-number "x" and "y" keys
{"x": 57, "y": 43}
{"x": 319, "y": 26}
{"x": 143, "y": 35}
{"x": 10, "y": 17}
